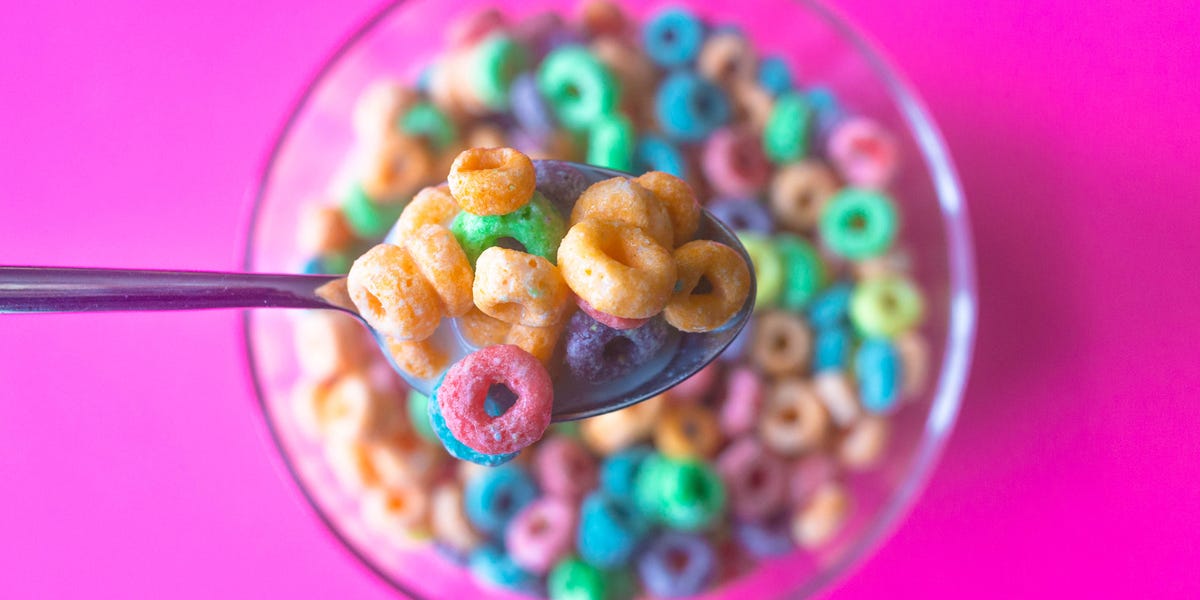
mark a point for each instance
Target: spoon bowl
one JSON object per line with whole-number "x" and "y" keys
{"x": 683, "y": 354}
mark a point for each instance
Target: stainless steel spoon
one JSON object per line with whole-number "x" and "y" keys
{"x": 62, "y": 289}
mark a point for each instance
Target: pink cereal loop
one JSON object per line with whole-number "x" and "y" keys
{"x": 735, "y": 163}
{"x": 865, "y": 153}
{"x": 610, "y": 320}
{"x": 695, "y": 387}
{"x": 756, "y": 479}
{"x": 564, "y": 468}
{"x": 542, "y": 534}
{"x": 743, "y": 400}
{"x": 465, "y": 388}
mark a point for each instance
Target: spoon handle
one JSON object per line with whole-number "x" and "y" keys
{"x": 59, "y": 289}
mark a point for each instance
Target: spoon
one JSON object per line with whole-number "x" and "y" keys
{"x": 69, "y": 289}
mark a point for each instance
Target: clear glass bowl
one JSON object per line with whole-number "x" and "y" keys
{"x": 823, "y": 50}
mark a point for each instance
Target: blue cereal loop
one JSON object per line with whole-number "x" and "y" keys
{"x": 831, "y": 349}
{"x": 492, "y": 498}
{"x": 673, "y": 37}
{"x": 774, "y": 75}
{"x": 877, "y": 369}
{"x": 618, "y": 472}
{"x": 831, "y": 307}
{"x": 654, "y": 153}
{"x": 491, "y": 565}
{"x": 456, "y": 448}
{"x": 609, "y": 531}
{"x": 689, "y": 107}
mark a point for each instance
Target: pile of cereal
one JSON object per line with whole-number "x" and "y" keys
{"x": 747, "y": 458}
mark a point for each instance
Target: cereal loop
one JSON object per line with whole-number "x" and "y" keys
{"x": 392, "y": 295}
{"x": 399, "y": 166}
{"x": 491, "y": 181}
{"x": 617, "y": 268}
{"x": 422, "y": 359}
{"x": 729, "y": 280}
{"x": 620, "y": 429}
{"x": 442, "y": 262}
{"x": 782, "y": 343}
{"x": 678, "y": 199}
{"x": 538, "y": 341}
{"x": 621, "y": 199}
{"x": 727, "y": 57}
{"x": 480, "y": 329}
{"x": 793, "y": 419}
{"x": 520, "y": 288}
{"x": 464, "y": 390}
{"x": 688, "y": 431}
{"x": 431, "y": 206}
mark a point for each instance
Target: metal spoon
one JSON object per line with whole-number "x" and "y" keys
{"x": 64, "y": 289}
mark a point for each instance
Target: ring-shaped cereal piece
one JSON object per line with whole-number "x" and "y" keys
{"x": 864, "y": 152}
{"x": 494, "y": 62}
{"x": 729, "y": 279}
{"x": 800, "y": 191}
{"x": 537, "y": 226}
{"x": 622, "y": 199}
{"x": 480, "y": 330}
{"x": 803, "y": 271}
{"x": 392, "y": 295}
{"x": 542, "y": 533}
{"x": 654, "y": 153}
{"x": 609, "y": 320}
{"x": 491, "y": 181}
{"x": 398, "y": 167}
{"x": 788, "y": 129}
{"x": 688, "y": 431}
{"x": 768, "y": 268}
{"x": 464, "y": 391}
{"x": 538, "y": 341}
{"x": 448, "y": 518}
{"x": 886, "y": 306}
{"x": 564, "y": 468}
{"x": 782, "y": 343}
{"x": 399, "y": 512}
{"x": 422, "y": 359}
{"x": 431, "y": 206}
{"x": 610, "y": 142}
{"x": 617, "y": 268}
{"x": 756, "y": 479}
{"x": 520, "y": 288}
{"x": 793, "y": 418}
{"x": 734, "y": 163}
{"x": 726, "y": 56}
{"x": 859, "y": 223}
{"x": 444, "y": 265}
{"x": 678, "y": 198}
{"x": 620, "y": 429}
{"x": 577, "y": 85}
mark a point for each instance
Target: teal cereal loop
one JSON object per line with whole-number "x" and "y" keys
{"x": 366, "y": 218}
{"x": 496, "y": 62}
{"x": 787, "y": 132}
{"x": 579, "y": 88}
{"x": 428, "y": 121}
{"x": 803, "y": 271}
{"x": 537, "y": 226}
{"x": 768, "y": 268}
{"x": 877, "y": 370}
{"x": 885, "y": 306}
{"x": 859, "y": 223}
{"x": 611, "y": 143}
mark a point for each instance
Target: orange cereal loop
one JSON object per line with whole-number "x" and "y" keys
{"x": 322, "y": 229}
{"x": 481, "y": 330}
{"x": 727, "y": 57}
{"x": 485, "y": 136}
{"x": 396, "y": 168}
{"x": 308, "y": 406}
{"x": 356, "y": 409}
{"x": 688, "y": 431}
{"x": 538, "y": 341}
{"x": 378, "y": 109}
{"x": 800, "y": 191}
{"x": 405, "y": 459}
{"x": 620, "y": 199}
{"x": 603, "y": 17}
{"x": 443, "y": 263}
{"x": 329, "y": 343}
{"x": 728, "y": 278}
{"x": 782, "y": 343}
{"x": 431, "y": 206}
{"x": 399, "y": 513}
{"x": 492, "y": 181}
{"x": 520, "y": 288}
{"x": 422, "y": 359}
{"x": 617, "y": 268}
{"x": 751, "y": 104}
{"x": 350, "y": 463}
{"x": 392, "y": 295}
{"x": 678, "y": 199}
{"x": 793, "y": 419}
{"x": 620, "y": 429}
{"x": 636, "y": 73}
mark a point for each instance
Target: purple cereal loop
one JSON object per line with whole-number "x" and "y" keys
{"x": 597, "y": 353}
{"x": 560, "y": 183}
{"x": 529, "y": 108}
{"x": 564, "y": 468}
{"x": 742, "y": 214}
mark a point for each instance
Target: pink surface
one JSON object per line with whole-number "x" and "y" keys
{"x": 134, "y": 461}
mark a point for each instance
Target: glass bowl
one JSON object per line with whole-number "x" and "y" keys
{"x": 823, "y": 49}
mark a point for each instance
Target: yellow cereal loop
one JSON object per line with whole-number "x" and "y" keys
{"x": 538, "y": 341}
{"x": 392, "y": 295}
{"x": 520, "y": 288}
{"x": 621, "y": 199}
{"x": 481, "y": 330}
{"x": 678, "y": 199}
{"x": 431, "y": 206}
{"x": 729, "y": 279}
{"x": 421, "y": 359}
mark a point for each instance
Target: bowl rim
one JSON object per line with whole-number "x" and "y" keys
{"x": 962, "y": 313}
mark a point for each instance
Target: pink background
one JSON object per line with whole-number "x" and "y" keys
{"x": 133, "y": 460}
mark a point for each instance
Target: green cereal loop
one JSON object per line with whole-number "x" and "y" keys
{"x": 885, "y": 306}
{"x": 803, "y": 271}
{"x": 647, "y": 487}
{"x": 537, "y": 226}
{"x": 573, "y": 579}
{"x": 785, "y": 136}
{"x": 366, "y": 218}
{"x": 428, "y": 121}
{"x": 768, "y": 268}
{"x": 577, "y": 85}
{"x": 496, "y": 62}
{"x": 693, "y": 495}
{"x": 611, "y": 142}
{"x": 859, "y": 223}
{"x": 566, "y": 428}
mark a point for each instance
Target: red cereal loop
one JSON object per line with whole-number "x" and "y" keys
{"x": 465, "y": 388}
{"x": 610, "y": 320}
